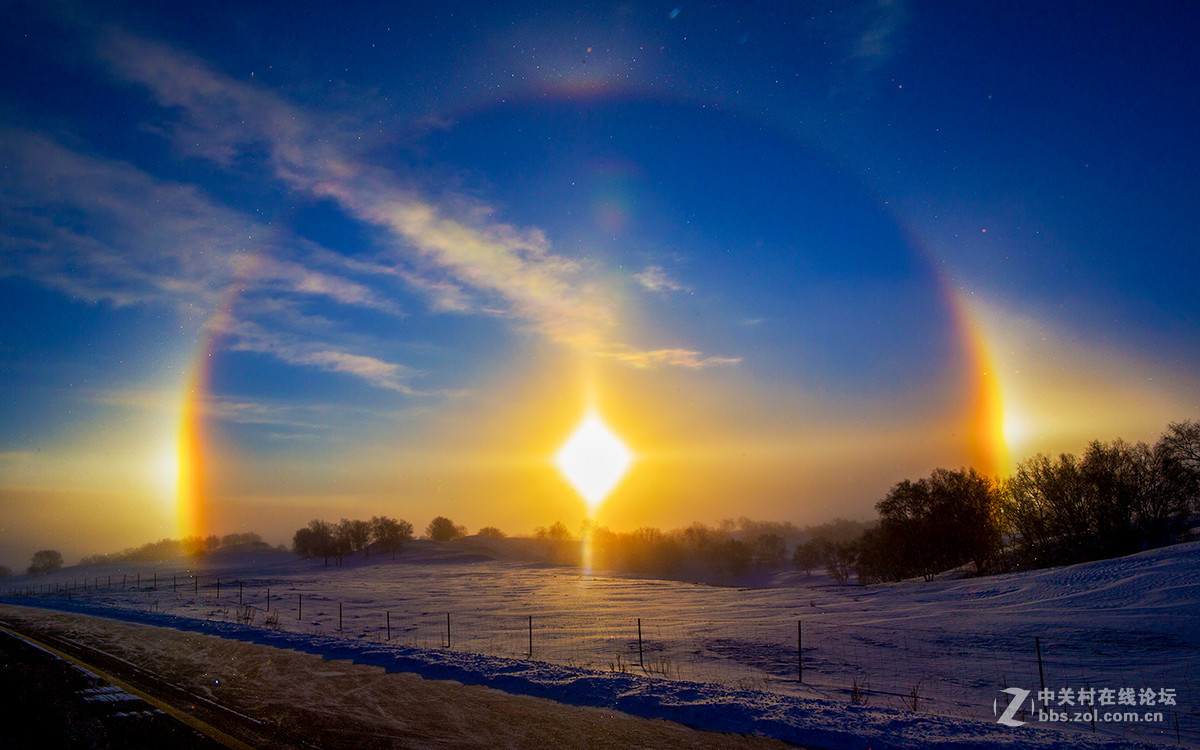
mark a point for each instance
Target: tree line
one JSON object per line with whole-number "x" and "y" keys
{"x": 334, "y": 541}
{"x": 1115, "y": 499}
{"x": 728, "y": 549}
{"x": 169, "y": 549}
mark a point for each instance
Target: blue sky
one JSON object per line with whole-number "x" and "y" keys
{"x": 401, "y": 249}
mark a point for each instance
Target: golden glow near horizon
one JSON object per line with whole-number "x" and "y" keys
{"x": 1017, "y": 427}
{"x": 593, "y": 460}
{"x": 165, "y": 470}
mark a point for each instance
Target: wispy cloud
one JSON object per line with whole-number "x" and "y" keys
{"x": 248, "y": 336}
{"x": 454, "y": 251}
{"x": 288, "y": 276}
{"x": 105, "y": 232}
{"x": 871, "y": 34}
{"x": 678, "y": 357}
{"x": 656, "y": 279}
{"x": 876, "y": 43}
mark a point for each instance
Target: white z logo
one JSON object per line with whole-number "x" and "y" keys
{"x": 1018, "y": 697}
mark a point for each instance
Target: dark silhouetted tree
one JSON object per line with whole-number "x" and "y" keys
{"x": 699, "y": 540}
{"x": 937, "y": 523}
{"x": 557, "y": 542}
{"x": 247, "y": 539}
{"x": 315, "y": 540}
{"x": 1170, "y": 490}
{"x": 491, "y": 532}
{"x": 360, "y": 536}
{"x": 874, "y": 562}
{"x": 343, "y": 539}
{"x": 807, "y": 555}
{"x": 556, "y": 533}
{"x": 734, "y": 556}
{"x": 45, "y": 561}
{"x": 1180, "y": 446}
{"x": 442, "y": 529}
{"x": 1182, "y": 440}
{"x": 303, "y": 543}
{"x": 390, "y": 534}
{"x": 840, "y": 558}
{"x": 1117, "y": 499}
{"x": 769, "y": 550}
{"x": 1112, "y": 478}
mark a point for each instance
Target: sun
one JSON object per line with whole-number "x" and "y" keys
{"x": 593, "y": 460}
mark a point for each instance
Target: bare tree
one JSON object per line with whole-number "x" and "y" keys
{"x": 390, "y": 534}
{"x": 1181, "y": 447}
{"x": 840, "y": 558}
{"x": 360, "y": 536}
{"x": 315, "y": 540}
{"x": 45, "y": 561}
{"x": 770, "y": 550}
{"x": 807, "y": 555}
{"x": 1183, "y": 440}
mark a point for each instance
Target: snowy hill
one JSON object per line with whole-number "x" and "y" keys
{"x": 720, "y": 657}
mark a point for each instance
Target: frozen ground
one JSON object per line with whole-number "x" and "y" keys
{"x": 728, "y": 655}
{"x": 298, "y": 700}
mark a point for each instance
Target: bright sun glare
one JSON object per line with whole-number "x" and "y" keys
{"x": 165, "y": 469}
{"x": 593, "y": 459}
{"x": 1016, "y": 428}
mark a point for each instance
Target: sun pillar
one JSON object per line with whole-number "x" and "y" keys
{"x": 593, "y": 460}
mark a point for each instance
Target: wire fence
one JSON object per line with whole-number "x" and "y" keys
{"x": 1130, "y": 685}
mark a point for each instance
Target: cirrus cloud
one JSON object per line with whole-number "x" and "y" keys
{"x": 463, "y": 260}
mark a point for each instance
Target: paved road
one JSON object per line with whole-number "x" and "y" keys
{"x": 51, "y": 703}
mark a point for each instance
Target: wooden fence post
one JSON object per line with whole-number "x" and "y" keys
{"x": 1037, "y": 643}
{"x": 641, "y": 660}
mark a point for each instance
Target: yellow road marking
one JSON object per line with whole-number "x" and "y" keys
{"x": 204, "y": 728}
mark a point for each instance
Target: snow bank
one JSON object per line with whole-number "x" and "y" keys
{"x": 1130, "y": 622}
{"x": 809, "y": 722}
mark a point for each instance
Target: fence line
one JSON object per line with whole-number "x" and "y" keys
{"x": 952, "y": 673}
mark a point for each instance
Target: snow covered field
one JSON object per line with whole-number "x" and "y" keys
{"x": 867, "y": 653}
